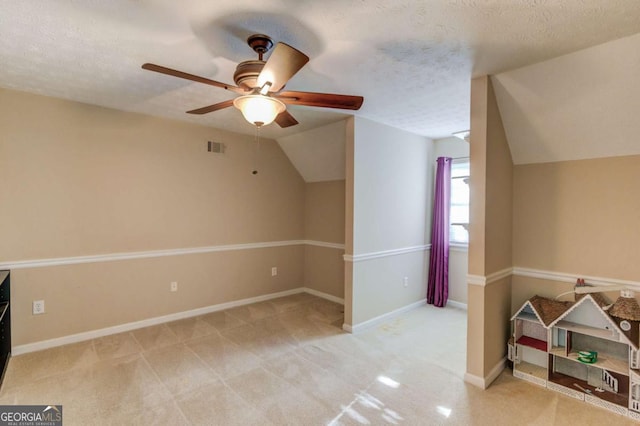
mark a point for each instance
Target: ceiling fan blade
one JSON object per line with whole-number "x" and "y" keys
{"x": 211, "y": 108}
{"x": 324, "y": 100}
{"x": 175, "y": 73}
{"x": 284, "y": 63}
{"x": 284, "y": 119}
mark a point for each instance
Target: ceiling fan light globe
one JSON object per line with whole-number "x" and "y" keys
{"x": 259, "y": 110}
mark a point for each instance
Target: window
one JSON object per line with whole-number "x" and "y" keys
{"x": 459, "y": 211}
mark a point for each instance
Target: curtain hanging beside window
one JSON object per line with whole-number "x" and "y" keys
{"x": 438, "y": 284}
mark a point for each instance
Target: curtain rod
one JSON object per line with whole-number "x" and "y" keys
{"x": 456, "y": 158}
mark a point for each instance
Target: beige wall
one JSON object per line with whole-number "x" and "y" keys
{"x": 578, "y": 217}
{"x": 84, "y": 180}
{"x": 488, "y": 306}
{"x": 490, "y": 246}
{"x": 573, "y": 218}
{"x": 324, "y": 222}
{"x": 324, "y": 270}
{"x": 92, "y": 296}
{"x": 499, "y": 191}
{"x": 324, "y": 211}
{"x": 496, "y": 324}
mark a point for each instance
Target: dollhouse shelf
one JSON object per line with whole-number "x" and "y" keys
{"x": 585, "y": 329}
{"x": 540, "y": 345}
{"x": 605, "y": 362}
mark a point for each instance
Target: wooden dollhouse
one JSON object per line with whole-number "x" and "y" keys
{"x": 587, "y": 349}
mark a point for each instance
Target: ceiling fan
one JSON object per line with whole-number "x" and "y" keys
{"x": 260, "y": 85}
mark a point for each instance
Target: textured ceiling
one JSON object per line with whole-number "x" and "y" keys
{"x": 411, "y": 60}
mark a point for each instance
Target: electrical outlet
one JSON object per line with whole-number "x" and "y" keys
{"x": 174, "y": 286}
{"x": 38, "y": 307}
{"x": 274, "y": 271}
{"x": 405, "y": 281}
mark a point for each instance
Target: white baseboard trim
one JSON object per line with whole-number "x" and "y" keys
{"x": 485, "y": 382}
{"x": 495, "y": 371}
{"x": 323, "y": 295}
{"x": 382, "y": 318}
{"x": 457, "y": 305}
{"x": 121, "y": 328}
{"x": 474, "y": 380}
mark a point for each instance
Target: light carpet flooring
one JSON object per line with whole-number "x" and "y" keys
{"x": 285, "y": 361}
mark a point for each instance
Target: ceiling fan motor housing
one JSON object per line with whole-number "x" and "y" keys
{"x": 247, "y": 73}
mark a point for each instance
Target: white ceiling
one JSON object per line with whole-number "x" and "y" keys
{"x": 411, "y": 60}
{"x": 581, "y": 105}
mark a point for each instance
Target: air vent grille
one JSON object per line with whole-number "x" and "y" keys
{"x": 216, "y": 147}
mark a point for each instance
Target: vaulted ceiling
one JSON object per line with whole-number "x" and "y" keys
{"x": 585, "y": 104}
{"x": 411, "y": 60}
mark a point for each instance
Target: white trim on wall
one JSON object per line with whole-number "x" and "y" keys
{"x": 75, "y": 260}
{"x": 550, "y": 276}
{"x": 323, "y": 295}
{"x": 121, "y": 328}
{"x": 459, "y": 247}
{"x": 484, "y": 281}
{"x": 324, "y": 244}
{"x": 384, "y": 253}
{"x": 571, "y": 278}
{"x": 484, "y": 382}
{"x": 382, "y": 318}
{"x": 457, "y": 305}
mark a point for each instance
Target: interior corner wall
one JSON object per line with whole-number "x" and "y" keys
{"x": 391, "y": 185}
{"x": 575, "y": 218}
{"x": 79, "y": 180}
{"x": 324, "y": 223}
{"x": 490, "y": 234}
{"x": 349, "y": 188}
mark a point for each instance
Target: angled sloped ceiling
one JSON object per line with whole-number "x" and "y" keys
{"x": 318, "y": 154}
{"x": 582, "y": 105}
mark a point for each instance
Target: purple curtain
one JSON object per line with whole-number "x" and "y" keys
{"x": 438, "y": 284}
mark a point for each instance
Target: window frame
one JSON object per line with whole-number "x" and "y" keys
{"x": 465, "y": 225}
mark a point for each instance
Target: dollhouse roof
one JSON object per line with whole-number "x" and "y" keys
{"x": 597, "y": 297}
{"x": 546, "y": 310}
{"x": 586, "y": 307}
{"x": 626, "y": 308}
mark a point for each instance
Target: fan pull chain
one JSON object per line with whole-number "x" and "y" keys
{"x": 257, "y": 153}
